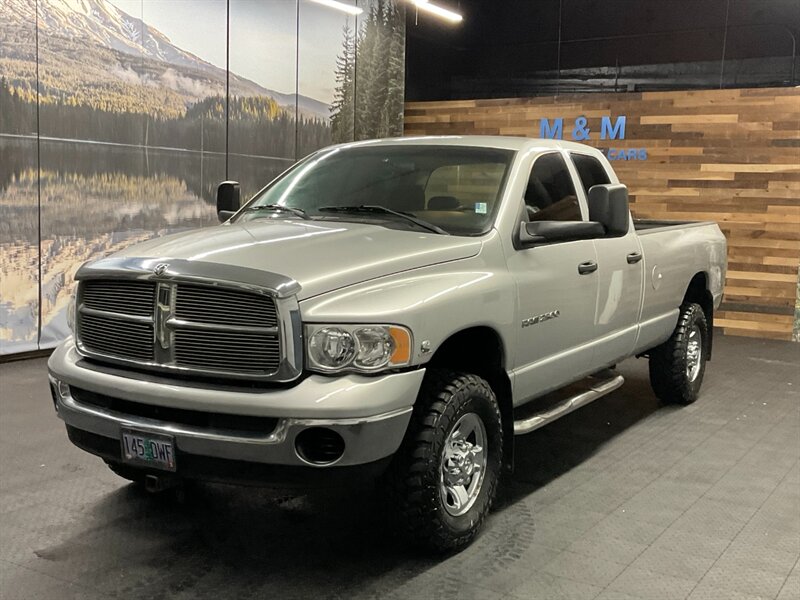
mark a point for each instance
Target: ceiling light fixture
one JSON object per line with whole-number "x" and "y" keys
{"x": 348, "y": 8}
{"x": 445, "y": 14}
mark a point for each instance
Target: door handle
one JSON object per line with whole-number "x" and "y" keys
{"x": 634, "y": 257}
{"x": 587, "y": 267}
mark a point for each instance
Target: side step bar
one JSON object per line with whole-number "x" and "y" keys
{"x": 566, "y": 406}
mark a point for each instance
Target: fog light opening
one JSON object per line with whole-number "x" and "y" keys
{"x": 59, "y": 390}
{"x": 319, "y": 446}
{"x": 54, "y": 394}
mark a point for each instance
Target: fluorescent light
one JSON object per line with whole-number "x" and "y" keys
{"x": 348, "y": 8}
{"x": 448, "y": 15}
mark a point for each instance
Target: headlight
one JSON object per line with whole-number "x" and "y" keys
{"x": 333, "y": 348}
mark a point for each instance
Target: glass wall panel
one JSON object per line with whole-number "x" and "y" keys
{"x": 91, "y": 82}
{"x": 262, "y": 109}
{"x": 184, "y": 46}
{"x": 380, "y": 74}
{"x": 19, "y": 197}
{"x": 19, "y": 245}
{"x": 326, "y": 76}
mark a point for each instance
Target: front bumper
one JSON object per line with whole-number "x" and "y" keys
{"x": 371, "y": 414}
{"x": 240, "y": 472}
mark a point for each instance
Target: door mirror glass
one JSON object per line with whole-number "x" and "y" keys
{"x": 608, "y": 204}
{"x": 532, "y": 233}
{"x": 229, "y": 199}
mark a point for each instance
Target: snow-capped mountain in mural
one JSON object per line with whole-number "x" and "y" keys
{"x": 105, "y": 24}
{"x": 75, "y": 30}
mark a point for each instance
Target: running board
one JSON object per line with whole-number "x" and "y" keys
{"x": 566, "y": 406}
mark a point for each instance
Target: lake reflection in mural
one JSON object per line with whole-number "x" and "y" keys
{"x": 95, "y": 200}
{"x": 19, "y": 246}
{"x": 118, "y": 118}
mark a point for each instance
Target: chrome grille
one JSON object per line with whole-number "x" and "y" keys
{"x": 115, "y": 337}
{"x": 207, "y": 329}
{"x": 126, "y": 297}
{"x": 224, "y": 307}
{"x": 242, "y": 352}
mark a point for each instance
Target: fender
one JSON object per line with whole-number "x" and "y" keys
{"x": 434, "y": 302}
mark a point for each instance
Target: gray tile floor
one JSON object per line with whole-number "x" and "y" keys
{"x": 623, "y": 499}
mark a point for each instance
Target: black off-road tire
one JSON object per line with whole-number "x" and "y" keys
{"x": 668, "y": 362}
{"x": 412, "y": 481}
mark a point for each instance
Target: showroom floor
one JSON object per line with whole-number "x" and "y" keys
{"x": 623, "y": 499}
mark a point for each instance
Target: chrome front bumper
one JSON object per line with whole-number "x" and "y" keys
{"x": 370, "y": 413}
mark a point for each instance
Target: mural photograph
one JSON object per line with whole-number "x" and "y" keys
{"x": 118, "y": 118}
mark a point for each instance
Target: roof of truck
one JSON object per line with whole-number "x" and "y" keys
{"x": 481, "y": 141}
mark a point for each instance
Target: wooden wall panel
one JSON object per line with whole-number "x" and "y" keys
{"x": 732, "y": 156}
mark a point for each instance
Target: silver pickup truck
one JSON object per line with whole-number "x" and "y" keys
{"x": 398, "y": 309}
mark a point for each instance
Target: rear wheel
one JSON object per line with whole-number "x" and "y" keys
{"x": 444, "y": 478}
{"x": 677, "y": 366}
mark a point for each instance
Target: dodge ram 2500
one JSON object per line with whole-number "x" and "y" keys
{"x": 397, "y": 308}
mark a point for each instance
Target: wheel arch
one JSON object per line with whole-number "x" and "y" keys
{"x": 479, "y": 350}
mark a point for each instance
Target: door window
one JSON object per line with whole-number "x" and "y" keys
{"x": 590, "y": 170}
{"x": 550, "y": 195}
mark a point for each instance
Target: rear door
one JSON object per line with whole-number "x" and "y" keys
{"x": 619, "y": 278}
{"x": 556, "y": 302}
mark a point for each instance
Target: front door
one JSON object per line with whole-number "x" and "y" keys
{"x": 556, "y": 287}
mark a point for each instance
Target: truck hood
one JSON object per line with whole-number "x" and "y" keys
{"x": 321, "y": 256}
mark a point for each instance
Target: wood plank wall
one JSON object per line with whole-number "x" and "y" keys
{"x": 732, "y": 156}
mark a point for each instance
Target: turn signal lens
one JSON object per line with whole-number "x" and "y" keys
{"x": 402, "y": 346}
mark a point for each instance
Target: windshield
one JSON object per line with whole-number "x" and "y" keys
{"x": 451, "y": 188}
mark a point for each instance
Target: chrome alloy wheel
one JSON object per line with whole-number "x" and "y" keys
{"x": 694, "y": 353}
{"x": 463, "y": 465}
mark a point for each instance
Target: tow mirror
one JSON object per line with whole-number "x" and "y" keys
{"x": 544, "y": 232}
{"x": 229, "y": 199}
{"x": 608, "y": 204}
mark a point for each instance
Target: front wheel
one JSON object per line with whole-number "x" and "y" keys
{"x": 677, "y": 366}
{"x": 443, "y": 480}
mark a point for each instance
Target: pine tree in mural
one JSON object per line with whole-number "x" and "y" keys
{"x": 392, "y": 113}
{"x": 17, "y": 108}
{"x": 342, "y": 109}
{"x": 370, "y": 90}
{"x": 370, "y": 77}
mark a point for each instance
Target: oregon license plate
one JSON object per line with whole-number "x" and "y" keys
{"x": 148, "y": 449}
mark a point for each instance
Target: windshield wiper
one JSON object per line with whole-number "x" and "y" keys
{"x": 297, "y": 211}
{"x": 374, "y": 208}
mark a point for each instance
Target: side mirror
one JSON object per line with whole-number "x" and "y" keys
{"x": 229, "y": 199}
{"x": 608, "y": 204}
{"x": 543, "y": 232}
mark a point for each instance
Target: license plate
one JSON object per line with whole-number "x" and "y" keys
{"x": 148, "y": 449}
